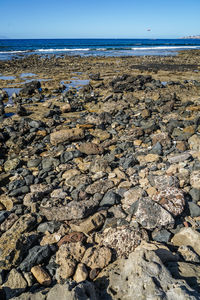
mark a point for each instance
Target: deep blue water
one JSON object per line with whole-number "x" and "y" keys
{"x": 95, "y": 47}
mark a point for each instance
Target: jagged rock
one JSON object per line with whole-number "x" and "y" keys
{"x": 172, "y": 199}
{"x": 141, "y": 276}
{"x": 130, "y": 197}
{"x": 81, "y": 273}
{"x": 195, "y": 179}
{"x": 187, "y": 237}
{"x": 11, "y": 242}
{"x": 194, "y": 142}
{"x": 35, "y": 256}
{"x": 165, "y": 181}
{"x": 188, "y": 254}
{"x": 122, "y": 240}
{"x": 151, "y": 215}
{"x": 97, "y": 257}
{"x": 15, "y": 284}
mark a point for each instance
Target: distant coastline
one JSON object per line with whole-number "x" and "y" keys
{"x": 191, "y": 37}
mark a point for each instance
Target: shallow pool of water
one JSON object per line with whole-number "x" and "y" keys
{"x": 75, "y": 83}
{"x": 7, "y": 77}
{"x": 24, "y": 75}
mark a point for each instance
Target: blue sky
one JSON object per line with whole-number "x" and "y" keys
{"x": 99, "y": 19}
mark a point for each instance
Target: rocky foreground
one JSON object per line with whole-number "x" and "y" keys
{"x": 100, "y": 185}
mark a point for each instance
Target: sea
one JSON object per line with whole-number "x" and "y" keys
{"x": 13, "y": 48}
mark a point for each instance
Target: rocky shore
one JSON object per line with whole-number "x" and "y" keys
{"x": 100, "y": 178}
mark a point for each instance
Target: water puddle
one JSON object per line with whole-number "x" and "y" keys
{"x": 7, "y": 77}
{"x": 75, "y": 83}
{"x": 25, "y": 75}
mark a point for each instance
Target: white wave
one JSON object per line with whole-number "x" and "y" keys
{"x": 12, "y": 52}
{"x": 61, "y": 50}
{"x": 165, "y": 47}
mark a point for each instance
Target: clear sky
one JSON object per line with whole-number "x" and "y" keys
{"x": 99, "y": 18}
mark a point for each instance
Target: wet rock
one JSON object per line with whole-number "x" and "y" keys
{"x": 66, "y": 135}
{"x": 81, "y": 273}
{"x": 35, "y": 256}
{"x": 172, "y": 199}
{"x": 30, "y": 88}
{"x": 187, "y": 237}
{"x": 151, "y": 215}
{"x": 122, "y": 240}
{"x": 15, "y": 284}
{"x": 41, "y": 275}
{"x": 141, "y": 276}
{"x": 97, "y": 257}
{"x": 95, "y": 76}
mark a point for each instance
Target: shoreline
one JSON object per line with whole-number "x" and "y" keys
{"x": 99, "y": 175}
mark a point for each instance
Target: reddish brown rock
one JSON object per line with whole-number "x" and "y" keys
{"x": 72, "y": 237}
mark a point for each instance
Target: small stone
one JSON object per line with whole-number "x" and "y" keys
{"x": 81, "y": 273}
{"x": 172, "y": 199}
{"x": 174, "y": 159}
{"x": 195, "y": 179}
{"x": 75, "y": 250}
{"x": 66, "y": 269}
{"x": 66, "y": 108}
{"x": 89, "y": 225}
{"x": 97, "y": 257}
{"x": 164, "y": 181}
{"x": 72, "y": 237}
{"x": 66, "y": 135}
{"x": 194, "y": 142}
{"x": 11, "y": 164}
{"x": 130, "y": 197}
{"x": 194, "y": 209}
{"x": 7, "y": 202}
{"x": 91, "y": 148}
{"x": 110, "y": 199}
{"x": 162, "y": 235}
{"x": 50, "y": 239}
{"x": 41, "y": 275}
{"x": 148, "y": 158}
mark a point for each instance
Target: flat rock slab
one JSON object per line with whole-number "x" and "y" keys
{"x": 66, "y": 135}
{"x": 74, "y": 210}
{"x": 141, "y": 276}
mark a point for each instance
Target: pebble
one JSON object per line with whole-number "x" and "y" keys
{"x": 41, "y": 275}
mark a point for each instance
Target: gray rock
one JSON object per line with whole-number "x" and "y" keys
{"x": 195, "y": 194}
{"x": 151, "y": 215}
{"x": 141, "y": 276}
{"x": 20, "y": 191}
{"x": 162, "y": 235}
{"x": 35, "y": 256}
{"x": 72, "y": 211}
{"x": 3, "y": 215}
{"x": 194, "y": 209}
{"x": 34, "y": 162}
{"x": 48, "y": 226}
{"x": 15, "y": 284}
{"x": 110, "y": 198}
{"x": 157, "y": 149}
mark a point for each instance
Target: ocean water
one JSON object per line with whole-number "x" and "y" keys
{"x": 95, "y": 47}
